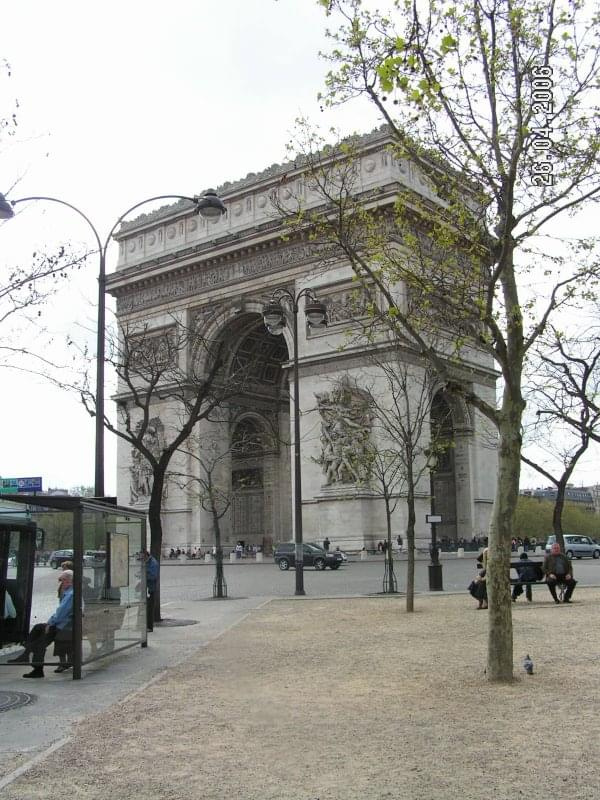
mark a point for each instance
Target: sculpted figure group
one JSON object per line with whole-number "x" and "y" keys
{"x": 345, "y": 430}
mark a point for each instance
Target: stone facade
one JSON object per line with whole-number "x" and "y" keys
{"x": 215, "y": 276}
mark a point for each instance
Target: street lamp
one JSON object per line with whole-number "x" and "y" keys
{"x": 275, "y": 319}
{"x": 208, "y": 205}
{"x": 435, "y": 568}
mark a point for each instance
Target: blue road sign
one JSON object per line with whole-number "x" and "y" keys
{"x": 17, "y": 485}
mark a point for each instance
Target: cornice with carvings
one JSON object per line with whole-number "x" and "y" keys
{"x": 194, "y": 278}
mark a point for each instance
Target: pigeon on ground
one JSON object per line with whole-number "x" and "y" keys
{"x": 528, "y": 664}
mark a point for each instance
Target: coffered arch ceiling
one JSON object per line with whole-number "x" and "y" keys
{"x": 254, "y": 348}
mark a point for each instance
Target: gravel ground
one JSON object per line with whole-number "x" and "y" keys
{"x": 348, "y": 699}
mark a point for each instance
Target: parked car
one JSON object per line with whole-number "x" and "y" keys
{"x": 314, "y": 556}
{"x": 576, "y": 546}
{"x": 94, "y": 558}
{"x": 341, "y": 552}
{"x": 58, "y": 556}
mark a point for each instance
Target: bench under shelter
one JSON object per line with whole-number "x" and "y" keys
{"x": 109, "y": 577}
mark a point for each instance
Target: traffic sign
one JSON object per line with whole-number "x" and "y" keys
{"x": 20, "y": 485}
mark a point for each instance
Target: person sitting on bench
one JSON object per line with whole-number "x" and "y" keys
{"x": 558, "y": 569}
{"x": 42, "y": 635}
{"x": 527, "y": 571}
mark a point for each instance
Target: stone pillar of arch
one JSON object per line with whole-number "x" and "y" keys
{"x": 463, "y": 476}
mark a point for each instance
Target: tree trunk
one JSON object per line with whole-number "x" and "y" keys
{"x": 500, "y": 636}
{"x": 391, "y": 582}
{"x": 557, "y": 512}
{"x": 155, "y": 522}
{"x": 410, "y": 540}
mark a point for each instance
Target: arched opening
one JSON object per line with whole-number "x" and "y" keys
{"x": 444, "y": 477}
{"x": 258, "y": 433}
{"x": 247, "y": 483}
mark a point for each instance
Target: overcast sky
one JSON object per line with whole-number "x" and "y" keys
{"x": 123, "y": 101}
{"x": 119, "y": 101}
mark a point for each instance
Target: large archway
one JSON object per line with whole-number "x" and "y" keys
{"x": 258, "y": 437}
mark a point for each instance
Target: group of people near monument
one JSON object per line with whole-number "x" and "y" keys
{"x": 556, "y": 571}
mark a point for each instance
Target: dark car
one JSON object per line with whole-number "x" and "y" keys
{"x": 314, "y": 556}
{"x": 58, "y": 556}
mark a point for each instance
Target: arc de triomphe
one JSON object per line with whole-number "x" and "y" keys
{"x": 216, "y": 275}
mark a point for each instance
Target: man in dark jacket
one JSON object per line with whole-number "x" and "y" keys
{"x": 558, "y": 569}
{"x": 151, "y": 582}
{"x": 527, "y": 571}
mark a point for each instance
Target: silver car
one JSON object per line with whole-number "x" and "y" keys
{"x": 576, "y": 546}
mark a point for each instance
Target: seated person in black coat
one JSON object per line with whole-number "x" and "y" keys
{"x": 527, "y": 571}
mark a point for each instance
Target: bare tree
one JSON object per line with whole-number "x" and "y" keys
{"x": 403, "y": 441}
{"x": 564, "y": 403}
{"x": 387, "y": 480}
{"x": 176, "y": 372}
{"x": 211, "y": 491}
{"x": 496, "y": 109}
{"x": 209, "y": 482}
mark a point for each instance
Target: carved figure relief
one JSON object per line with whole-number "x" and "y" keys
{"x": 140, "y": 485}
{"x": 345, "y": 305}
{"x": 345, "y": 430}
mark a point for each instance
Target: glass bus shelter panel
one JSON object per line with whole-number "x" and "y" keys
{"x": 17, "y": 546}
{"x": 54, "y": 538}
{"x": 113, "y": 590}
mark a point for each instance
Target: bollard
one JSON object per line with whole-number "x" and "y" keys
{"x": 364, "y": 555}
{"x": 232, "y": 556}
{"x": 259, "y": 558}
{"x": 520, "y": 549}
{"x": 539, "y": 550}
{"x": 460, "y": 553}
{"x": 207, "y": 557}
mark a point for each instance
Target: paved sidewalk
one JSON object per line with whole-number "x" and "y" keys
{"x": 61, "y": 702}
{"x": 349, "y": 699}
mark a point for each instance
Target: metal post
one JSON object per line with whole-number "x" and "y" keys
{"x": 100, "y": 354}
{"x": 297, "y": 466}
{"x": 274, "y": 317}
{"x": 144, "y": 547}
{"x": 77, "y": 521}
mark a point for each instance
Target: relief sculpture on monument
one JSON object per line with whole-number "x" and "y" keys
{"x": 345, "y": 431}
{"x": 140, "y": 470}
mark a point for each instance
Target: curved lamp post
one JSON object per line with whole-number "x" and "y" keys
{"x": 274, "y": 315}
{"x": 208, "y": 205}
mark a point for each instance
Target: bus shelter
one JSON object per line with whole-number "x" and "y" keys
{"x": 103, "y": 541}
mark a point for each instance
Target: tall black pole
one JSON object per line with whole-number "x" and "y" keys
{"x": 297, "y": 465}
{"x": 274, "y": 318}
{"x": 100, "y": 355}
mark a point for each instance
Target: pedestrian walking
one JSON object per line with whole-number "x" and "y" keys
{"x": 152, "y": 570}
